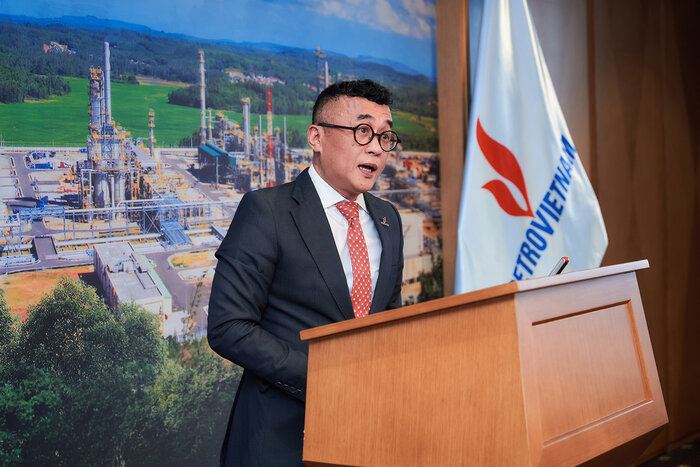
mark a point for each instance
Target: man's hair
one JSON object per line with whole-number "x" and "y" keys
{"x": 359, "y": 88}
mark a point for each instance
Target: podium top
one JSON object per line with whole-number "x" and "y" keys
{"x": 471, "y": 297}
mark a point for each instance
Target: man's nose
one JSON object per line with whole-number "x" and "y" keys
{"x": 374, "y": 146}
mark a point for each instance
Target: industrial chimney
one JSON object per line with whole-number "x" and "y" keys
{"x": 151, "y": 139}
{"x": 246, "y": 124}
{"x": 108, "y": 89}
{"x": 202, "y": 89}
{"x": 270, "y": 145}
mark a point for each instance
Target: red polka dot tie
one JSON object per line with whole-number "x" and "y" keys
{"x": 361, "y": 276}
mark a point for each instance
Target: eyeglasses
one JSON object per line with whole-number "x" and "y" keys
{"x": 364, "y": 134}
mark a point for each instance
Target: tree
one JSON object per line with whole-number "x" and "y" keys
{"x": 31, "y": 416}
{"x": 7, "y": 325}
{"x": 297, "y": 140}
{"x": 431, "y": 283}
{"x": 82, "y": 366}
{"x": 187, "y": 411}
{"x": 81, "y": 384}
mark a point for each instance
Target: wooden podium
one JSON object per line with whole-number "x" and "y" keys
{"x": 550, "y": 371}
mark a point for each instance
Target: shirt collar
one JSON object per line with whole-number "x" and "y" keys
{"x": 330, "y": 197}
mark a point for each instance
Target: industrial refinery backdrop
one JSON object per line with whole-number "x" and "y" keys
{"x": 145, "y": 219}
{"x": 124, "y": 152}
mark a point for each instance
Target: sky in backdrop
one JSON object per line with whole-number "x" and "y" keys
{"x": 400, "y": 31}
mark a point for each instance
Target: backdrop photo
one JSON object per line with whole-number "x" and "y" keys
{"x": 129, "y": 132}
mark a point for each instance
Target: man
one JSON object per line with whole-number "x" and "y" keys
{"x": 295, "y": 259}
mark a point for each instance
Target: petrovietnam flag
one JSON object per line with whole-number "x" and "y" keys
{"x": 526, "y": 200}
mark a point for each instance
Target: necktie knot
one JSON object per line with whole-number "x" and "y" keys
{"x": 349, "y": 209}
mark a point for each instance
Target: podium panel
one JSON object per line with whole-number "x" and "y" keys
{"x": 588, "y": 367}
{"x": 573, "y": 356}
{"x": 455, "y": 365}
{"x": 550, "y": 371}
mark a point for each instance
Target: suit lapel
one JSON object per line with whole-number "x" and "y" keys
{"x": 313, "y": 227}
{"x": 383, "y": 286}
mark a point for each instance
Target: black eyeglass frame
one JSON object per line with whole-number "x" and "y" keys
{"x": 354, "y": 134}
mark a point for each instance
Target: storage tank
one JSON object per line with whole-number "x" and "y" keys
{"x": 101, "y": 184}
{"x": 120, "y": 194}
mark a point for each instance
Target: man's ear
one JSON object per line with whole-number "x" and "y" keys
{"x": 313, "y": 136}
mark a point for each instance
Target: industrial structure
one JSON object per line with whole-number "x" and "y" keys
{"x": 117, "y": 192}
{"x": 322, "y": 76}
{"x": 108, "y": 204}
{"x": 110, "y": 172}
{"x": 233, "y": 156}
{"x": 202, "y": 97}
{"x": 151, "y": 138}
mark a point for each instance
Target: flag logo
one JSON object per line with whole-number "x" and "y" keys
{"x": 526, "y": 199}
{"x": 504, "y": 162}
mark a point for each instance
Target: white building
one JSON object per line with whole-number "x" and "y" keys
{"x": 126, "y": 276}
{"x": 415, "y": 259}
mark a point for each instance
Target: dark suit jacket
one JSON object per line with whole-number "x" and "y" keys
{"x": 278, "y": 273}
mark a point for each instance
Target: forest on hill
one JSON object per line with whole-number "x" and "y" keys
{"x": 28, "y": 71}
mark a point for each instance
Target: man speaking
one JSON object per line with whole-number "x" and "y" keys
{"x": 307, "y": 253}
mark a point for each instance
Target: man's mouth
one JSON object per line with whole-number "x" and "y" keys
{"x": 367, "y": 168}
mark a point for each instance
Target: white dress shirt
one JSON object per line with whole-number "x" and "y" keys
{"x": 339, "y": 228}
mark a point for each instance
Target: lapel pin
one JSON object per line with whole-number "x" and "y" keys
{"x": 384, "y": 222}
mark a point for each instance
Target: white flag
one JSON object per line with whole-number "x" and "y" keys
{"x": 526, "y": 200}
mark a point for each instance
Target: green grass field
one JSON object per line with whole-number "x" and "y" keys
{"x": 62, "y": 120}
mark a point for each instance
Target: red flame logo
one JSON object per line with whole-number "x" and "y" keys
{"x": 504, "y": 162}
